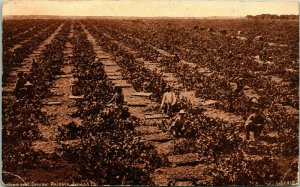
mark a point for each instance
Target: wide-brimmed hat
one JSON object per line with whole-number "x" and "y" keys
{"x": 28, "y": 84}
{"x": 255, "y": 101}
{"x": 181, "y": 112}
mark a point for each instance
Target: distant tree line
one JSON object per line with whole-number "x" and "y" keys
{"x": 273, "y": 16}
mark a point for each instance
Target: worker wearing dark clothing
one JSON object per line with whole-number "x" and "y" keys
{"x": 125, "y": 113}
{"x": 34, "y": 66}
{"x": 235, "y": 93}
{"x": 118, "y": 98}
{"x": 178, "y": 125}
{"x": 254, "y": 123}
{"x": 176, "y": 58}
{"x": 75, "y": 89}
{"x": 21, "y": 81}
{"x": 239, "y": 87}
{"x": 30, "y": 90}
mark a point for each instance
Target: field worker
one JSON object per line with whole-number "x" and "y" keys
{"x": 125, "y": 113}
{"x": 235, "y": 92}
{"x": 255, "y": 124}
{"x": 21, "y": 81}
{"x": 34, "y": 65}
{"x": 74, "y": 88}
{"x": 177, "y": 126}
{"x": 146, "y": 86}
{"x": 168, "y": 101}
{"x": 118, "y": 98}
{"x": 239, "y": 86}
{"x": 29, "y": 89}
{"x": 176, "y": 58}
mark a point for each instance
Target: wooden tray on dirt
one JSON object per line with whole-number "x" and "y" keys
{"x": 184, "y": 173}
{"x": 76, "y": 97}
{"x": 208, "y": 102}
{"x": 103, "y": 57}
{"x": 160, "y": 137}
{"x": 118, "y": 77}
{"x": 147, "y": 129}
{"x": 38, "y": 52}
{"x": 57, "y": 94}
{"x": 34, "y": 55}
{"x": 156, "y": 116}
{"x": 64, "y": 76}
{"x": 184, "y": 159}
{"x": 142, "y": 94}
{"x": 109, "y": 63}
{"x": 114, "y": 74}
{"x": 110, "y": 70}
{"x": 204, "y": 70}
{"x": 50, "y": 103}
{"x": 26, "y": 63}
{"x": 168, "y": 74}
{"x": 137, "y": 104}
{"x": 123, "y": 85}
{"x": 24, "y": 70}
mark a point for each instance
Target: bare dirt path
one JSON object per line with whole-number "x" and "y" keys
{"x": 138, "y": 105}
{"x": 59, "y": 107}
{"x": 54, "y": 168}
{"x": 172, "y": 80}
{"x": 248, "y": 92}
{"x": 7, "y": 89}
{"x": 22, "y": 33}
{"x": 184, "y": 167}
{"x": 18, "y": 45}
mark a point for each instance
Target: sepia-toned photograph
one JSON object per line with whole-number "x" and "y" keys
{"x": 152, "y": 93}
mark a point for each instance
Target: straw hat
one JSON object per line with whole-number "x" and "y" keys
{"x": 28, "y": 84}
{"x": 181, "y": 112}
{"x": 254, "y": 100}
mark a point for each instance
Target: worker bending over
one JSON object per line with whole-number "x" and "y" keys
{"x": 118, "y": 98}
{"x": 177, "y": 126}
{"x": 255, "y": 124}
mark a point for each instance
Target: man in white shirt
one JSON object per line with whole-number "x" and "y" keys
{"x": 168, "y": 101}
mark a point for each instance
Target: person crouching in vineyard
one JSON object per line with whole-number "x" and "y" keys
{"x": 118, "y": 98}
{"x": 177, "y": 128}
{"x": 176, "y": 58}
{"x": 255, "y": 123}
{"x": 146, "y": 86}
{"x": 168, "y": 101}
{"x": 20, "y": 84}
{"x": 74, "y": 88}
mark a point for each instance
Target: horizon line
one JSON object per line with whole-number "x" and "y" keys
{"x": 148, "y": 16}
